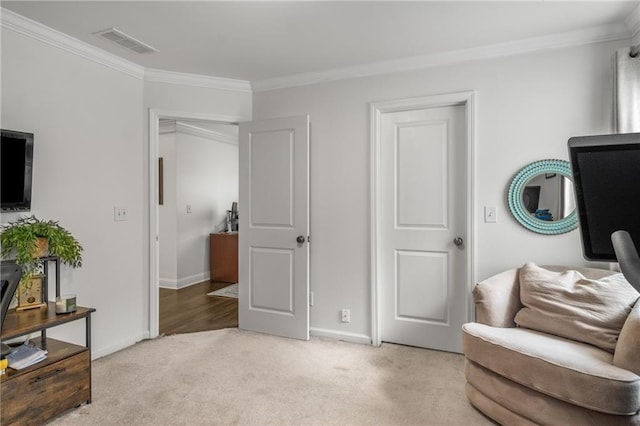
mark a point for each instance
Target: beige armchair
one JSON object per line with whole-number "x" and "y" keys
{"x": 520, "y": 376}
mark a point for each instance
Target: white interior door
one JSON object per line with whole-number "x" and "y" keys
{"x": 274, "y": 227}
{"x": 423, "y": 210}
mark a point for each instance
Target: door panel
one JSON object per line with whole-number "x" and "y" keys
{"x": 272, "y": 178}
{"x": 421, "y": 286}
{"x": 271, "y": 284}
{"x": 423, "y": 207}
{"x": 274, "y": 211}
{"x": 422, "y": 184}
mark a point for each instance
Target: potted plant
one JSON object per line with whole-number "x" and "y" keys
{"x": 27, "y": 240}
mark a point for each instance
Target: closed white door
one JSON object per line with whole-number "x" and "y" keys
{"x": 274, "y": 227}
{"x": 423, "y": 219}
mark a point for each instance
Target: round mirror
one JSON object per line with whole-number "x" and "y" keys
{"x": 541, "y": 197}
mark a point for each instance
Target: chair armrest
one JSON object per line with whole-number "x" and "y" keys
{"x": 627, "y": 353}
{"x": 497, "y": 299}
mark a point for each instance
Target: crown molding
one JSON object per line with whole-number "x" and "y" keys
{"x": 165, "y": 127}
{"x": 196, "y": 80}
{"x": 194, "y": 130}
{"x": 628, "y": 29}
{"x": 30, "y": 28}
{"x": 617, "y": 31}
{"x": 632, "y": 22}
{"x": 27, "y": 27}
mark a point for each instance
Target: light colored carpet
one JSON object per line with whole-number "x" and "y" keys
{"x": 237, "y": 377}
{"x": 228, "y": 291}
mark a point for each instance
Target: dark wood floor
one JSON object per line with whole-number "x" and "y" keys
{"x": 189, "y": 309}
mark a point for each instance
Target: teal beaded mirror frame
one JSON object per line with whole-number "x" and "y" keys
{"x": 525, "y": 192}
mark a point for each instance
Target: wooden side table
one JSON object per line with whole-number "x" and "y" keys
{"x": 223, "y": 252}
{"x": 51, "y": 387}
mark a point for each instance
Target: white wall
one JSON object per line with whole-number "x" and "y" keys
{"x": 527, "y": 108}
{"x": 87, "y": 120}
{"x": 167, "y": 213}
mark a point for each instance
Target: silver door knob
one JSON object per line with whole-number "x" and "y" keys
{"x": 300, "y": 239}
{"x": 458, "y": 241}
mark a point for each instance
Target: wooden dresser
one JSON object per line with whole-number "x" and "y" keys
{"x": 51, "y": 387}
{"x": 223, "y": 252}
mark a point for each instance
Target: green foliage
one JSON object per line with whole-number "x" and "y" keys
{"x": 18, "y": 241}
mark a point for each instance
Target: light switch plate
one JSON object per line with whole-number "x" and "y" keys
{"x": 490, "y": 214}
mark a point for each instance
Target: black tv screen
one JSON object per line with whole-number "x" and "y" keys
{"x": 16, "y": 169}
{"x": 606, "y": 175}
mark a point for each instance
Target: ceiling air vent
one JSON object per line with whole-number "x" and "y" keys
{"x": 126, "y": 41}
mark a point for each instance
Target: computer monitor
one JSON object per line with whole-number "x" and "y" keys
{"x": 606, "y": 177}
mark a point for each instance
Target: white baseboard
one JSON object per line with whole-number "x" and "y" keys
{"x": 167, "y": 283}
{"x": 341, "y": 335}
{"x": 99, "y": 353}
{"x": 174, "y": 284}
{"x": 317, "y": 332}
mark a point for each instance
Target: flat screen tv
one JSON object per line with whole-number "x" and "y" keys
{"x": 16, "y": 169}
{"x": 606, "y": 175}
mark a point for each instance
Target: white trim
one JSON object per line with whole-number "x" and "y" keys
{"x": 167, "y": 127}
{"x": 616, "y": 31}
{"x": 154, "y": 133}
{"x": 597, "y": 34}
{"x": 193, "y": 130}
{"x": 168, "y": 283}
{"x": 196, "y": 80}
{"x": 341, "y": 335}
{"x": 184, "y": 282}
{"x": 632, "y": 22}
{"x": 25, "y": 26}
{"x": 376, "y": 110}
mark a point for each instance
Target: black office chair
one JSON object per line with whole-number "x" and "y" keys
{"x": 10, "y": 275}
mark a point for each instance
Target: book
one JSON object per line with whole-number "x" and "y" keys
{"x": 25, "y": 355}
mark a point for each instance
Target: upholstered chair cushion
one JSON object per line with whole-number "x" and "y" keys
{"x": 567, "y": 304}
{"x": 573, "y": 372}
{"x": 627, "y": 354}
{"x": 497, "y": 299}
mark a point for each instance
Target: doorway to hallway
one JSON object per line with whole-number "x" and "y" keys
{"x": 197, "y": 184}
{"x": 191, "y": 309}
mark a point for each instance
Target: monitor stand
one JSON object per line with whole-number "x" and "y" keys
{"x": 627, "y": 257}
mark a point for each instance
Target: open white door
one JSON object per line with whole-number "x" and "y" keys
{"x": 274, "y": 227}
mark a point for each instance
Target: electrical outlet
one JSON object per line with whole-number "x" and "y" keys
{"x": 120, "y": 213}
{"x": 310, "y": 298}
{"x": 346, "y": 315}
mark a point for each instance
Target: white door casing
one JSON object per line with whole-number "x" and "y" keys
{"x": 422, "y": 203}
{"x": 274, "y": 213}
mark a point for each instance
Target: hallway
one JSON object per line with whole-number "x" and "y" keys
{"x": 189, "y": 310}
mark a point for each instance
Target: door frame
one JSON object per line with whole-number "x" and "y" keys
{"x": 466, "y": 99}
{"x": 155, "y": 114}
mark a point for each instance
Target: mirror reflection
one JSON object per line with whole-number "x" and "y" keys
{"x": 548, "y": 197}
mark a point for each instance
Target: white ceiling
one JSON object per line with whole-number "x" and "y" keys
{"x": 264, "y": 40}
